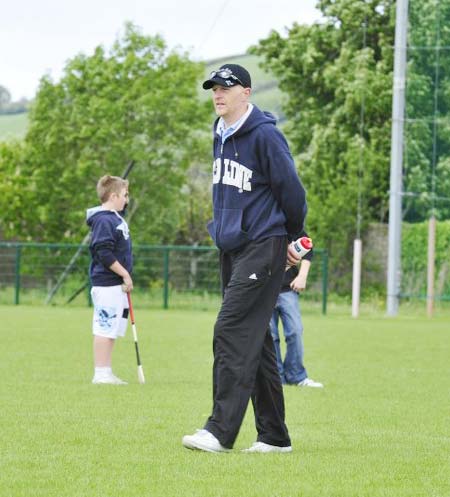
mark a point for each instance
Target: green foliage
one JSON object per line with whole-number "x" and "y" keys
{"x": 329, "y": 77}
{"x": 13, "y": 181}
{"x": 195, "y": 211}
{"x": 427, "y": 131}
{"x": 338, "y": 78}
{"x": 9, "y": 107}
{"x": 138, "y": 101}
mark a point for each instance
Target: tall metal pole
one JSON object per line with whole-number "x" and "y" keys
{"x": 395, "y": 193}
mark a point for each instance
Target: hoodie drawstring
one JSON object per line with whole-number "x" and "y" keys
{"x": 236, "y": 153}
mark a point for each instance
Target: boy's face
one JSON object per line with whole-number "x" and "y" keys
{"x": 120, "y": 199}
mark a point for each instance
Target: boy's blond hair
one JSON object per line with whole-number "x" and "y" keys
{"x": 110, "y": 184}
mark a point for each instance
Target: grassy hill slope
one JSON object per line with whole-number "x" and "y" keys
{"x": 13, "y": 126}
{"x": 266, "y": 95}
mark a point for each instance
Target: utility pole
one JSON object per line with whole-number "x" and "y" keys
{"x": 395, "y": 190}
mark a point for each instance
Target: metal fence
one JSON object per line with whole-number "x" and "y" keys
{"x": 164, "y": 275}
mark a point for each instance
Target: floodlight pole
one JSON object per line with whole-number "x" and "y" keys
{"x": 395, "y": 190}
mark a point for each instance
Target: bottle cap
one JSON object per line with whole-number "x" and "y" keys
{"x": 306, "y": 242}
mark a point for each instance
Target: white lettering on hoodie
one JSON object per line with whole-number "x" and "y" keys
{"x": 234, "y": 174}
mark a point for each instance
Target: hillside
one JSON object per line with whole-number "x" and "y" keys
{"x": 13, "y": 125}
{"x": 265, "y": 95}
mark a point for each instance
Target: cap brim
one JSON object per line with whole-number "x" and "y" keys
{"x": 209, "y": 83}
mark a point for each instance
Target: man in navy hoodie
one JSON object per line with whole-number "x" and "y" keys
{"x": 259, "y": 206}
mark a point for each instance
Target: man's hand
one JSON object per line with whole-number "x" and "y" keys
{"x": 293, "y": 257}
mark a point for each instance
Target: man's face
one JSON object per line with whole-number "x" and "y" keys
{"x": 230, "y": 102}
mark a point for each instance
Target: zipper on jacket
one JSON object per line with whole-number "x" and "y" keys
{"x": 220, "y": 189}
{"x": 222, "y": 172}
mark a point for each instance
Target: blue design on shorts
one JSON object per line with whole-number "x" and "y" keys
{"x": 105, "y": 317}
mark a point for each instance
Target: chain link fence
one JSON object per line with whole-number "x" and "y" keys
{"x": 181, "y": 277}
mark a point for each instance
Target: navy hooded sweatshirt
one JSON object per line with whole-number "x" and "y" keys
{"x": 110, "y": 242}
{"x": 256, "y": 190}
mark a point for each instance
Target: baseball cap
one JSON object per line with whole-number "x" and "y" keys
{"x": 229, "y": 75}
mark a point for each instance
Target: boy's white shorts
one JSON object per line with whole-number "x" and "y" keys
{"x": 110, "y": 311}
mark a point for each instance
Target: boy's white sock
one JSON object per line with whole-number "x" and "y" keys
{"x": 103, "y": 371}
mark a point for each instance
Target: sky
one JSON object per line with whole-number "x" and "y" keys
{"x": 38, "y": 37}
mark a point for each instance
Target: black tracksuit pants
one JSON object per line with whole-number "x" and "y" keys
{"x": 244, "y": 356}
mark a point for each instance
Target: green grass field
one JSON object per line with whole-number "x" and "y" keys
{"x": 380, "y": 427}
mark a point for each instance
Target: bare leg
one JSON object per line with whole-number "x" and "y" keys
{"x": 103, "y": 351}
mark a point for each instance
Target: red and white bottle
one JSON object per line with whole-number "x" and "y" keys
{"x": 303, "y": 245}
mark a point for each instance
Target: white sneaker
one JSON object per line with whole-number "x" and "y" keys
{"x": 265, "y": 448}
{"x": 203, "y": 440}
{"x": 108, "y": 379}
{"x": 307, "y": 382}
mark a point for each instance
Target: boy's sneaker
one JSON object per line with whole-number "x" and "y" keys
{"x": 108, "y": 379}
{"x": 203, "y": 440}
{"x": 264, "y": 448}
{"x": 307, "y": 382}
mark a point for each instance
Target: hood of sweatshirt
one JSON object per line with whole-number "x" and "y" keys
{"x": 93, "y": 211}
{"x": 255, "y": 119}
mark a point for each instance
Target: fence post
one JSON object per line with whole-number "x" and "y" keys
{"x": 166, "y": 279}
{"x": 17, "y": 275}
{"x": 324, "y": 281}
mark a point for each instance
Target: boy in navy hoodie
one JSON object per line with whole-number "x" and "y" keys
{"x": 259, "y": 205}
{"x": 110, "y": 273}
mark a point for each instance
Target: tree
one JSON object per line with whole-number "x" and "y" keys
{"x": 329, "y": 75}
{"x": 337, "y": 75}
{"x": 138, "y": 101}
{"x": 428, "y": 105}
{"x": 9, "y": 107}
{"x": 195, "y": 206}
{"x": 5, "y": 97}
{"x": 11, "y": 184}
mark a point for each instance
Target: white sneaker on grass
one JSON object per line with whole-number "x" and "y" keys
{"x": 108, "y": 379}
{"x": 264, "y": 448}
{"x": 203, "y": 440}
{"x": 307, "y": 382}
